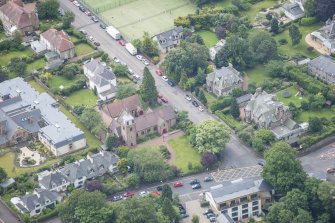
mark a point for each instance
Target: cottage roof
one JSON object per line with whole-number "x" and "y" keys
{"x": 21, "y": 15}
{"x": 225, "y": 76}
{"x": 166, "y": 39}
{"x": 58, "y": 39}
{"x": 293, "y": 8}
{"x": 102, "y": 75}
{"x": 324, "y": 64}
{"x": 39, "y": 196}
{"x": 244, "y": 98}
{"x": 54, "y": 179}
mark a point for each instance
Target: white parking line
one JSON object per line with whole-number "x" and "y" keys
{"x": 231, "y": 174}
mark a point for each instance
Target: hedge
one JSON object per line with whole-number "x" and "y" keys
{"x": 308, "y": 21}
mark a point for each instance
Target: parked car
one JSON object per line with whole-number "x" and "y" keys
{"x": 117, "y": 198}
{"x": 76, "y": 3}
{"x": 171, "y": 83}
{"x": 209, "y": 215}
{"x": 201, "y": 108}
{"x": 146, "y": 63}
{"x": 97, "y": 43}
{"x": 212, "y": 219}
{"x": 331, "y": 170}
{"x": 159, "y": 188}
{"x": 88, "y": 13}
{"x": 83, "y": 31}
{"x": 102, "y": 26}
{"x": 182, "y": 211}
{"x": 143, "y": 193}
{"x": 208, "y": 179}
{"x": 164, "y": 99}
{"x": 196, "y": 186}
{"x": 184, "y": 215}
{"x": 195, "y": 181}
{"x": 208, "y": 211}
{"x": 82, "y": 8}
{"x": 139, "y": 57}
{"x": 165, "y": 78}
{"x": 156, "y": 193}
{"x": 195, "y": 104}
{"x": 116, "y": 60}
{"x": 261, "y": 162}
{"x": 159, "y": 72}
{"x": 129, "y": 194}
{"x": 94, "y": 19}
{"x": 130, "y": 71}
{"x": 91, "y": 38}
{"x": 187, "y": 97}
{"x": 178, "y": 184}
{"x": 122, "y": 42}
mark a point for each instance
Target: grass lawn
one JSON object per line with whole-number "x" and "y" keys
{"x": 2, "y": 36}
{"x": 256, "y": 8}
{"x": 210, "y": 98}
{"x": 324, "y": 113}
{"x": 91, "y": 140}
{"x": 36, "y": 65}
{"x": 36, "y": 86}
{"x": 4, "y": 59}
{"x": 74, "y": 39}
{"x": 257, "y": 75}
{"x": 210, "y": 38}
{"x": 184, "y": 153}
{"x": 56, "y": 81}
{"x": 82, "y": 97}
{"x": 296, "y": 100}
{"x": 223, "y": 3}
{"x": 82, "y": 49}
{"x": 301, "y": 48}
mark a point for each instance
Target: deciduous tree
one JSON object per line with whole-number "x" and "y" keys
{"x": 274, "y": 25}
{"x": 48, "y": 9}
{"x": 67, "y": 19}
{"x": 125, "y": 90}
{"x": 166, "y": 192}
{"x": 3, "y": 175}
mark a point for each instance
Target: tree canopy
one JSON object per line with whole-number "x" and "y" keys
{"x": 3, "y": 175}
{"x": 148, "y": 90}
{"x": 48, "y": 9}
{"x": 295, "y": 34}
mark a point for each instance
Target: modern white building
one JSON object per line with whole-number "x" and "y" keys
{"x": 215, "y": 49}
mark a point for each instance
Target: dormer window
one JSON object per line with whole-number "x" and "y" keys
{"x": 47, "y": 201}
{"x": 37, "y": 205}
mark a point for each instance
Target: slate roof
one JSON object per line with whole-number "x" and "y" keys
{"x": 293, "y": 8}
{"x": 40, "y": 196}
{"x": 225, "y": 77}
{"x": 323, "y": 63}
{"x": 58, "y": 39}
{"x": 166, "y": 39}
{"x": 243, "y": 98}
{"x": 24, "y": 102}
{"x": 54, "y": 179}
{"x": 102, "y": 75}
{"x": 241, "y": 188}
{"x": 21, "y": 15}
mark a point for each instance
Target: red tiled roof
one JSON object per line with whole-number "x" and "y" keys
{"x": 21, "y": 16}
{"x": 58, "y": 39}
{"x": 114, "y": 109}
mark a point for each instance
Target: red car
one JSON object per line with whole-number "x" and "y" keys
{"x": 159, "y": 72}
{"x": 129, "y": 194}
{"x": 122, "y": 42}
{"x": 178, "y": 184}
{"x": 163, "y": 99}
{"x": 155, "y": 193}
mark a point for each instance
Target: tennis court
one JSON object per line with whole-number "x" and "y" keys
{"x": 134, "y": 17}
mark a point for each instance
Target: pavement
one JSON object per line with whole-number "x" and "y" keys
{"x": 6, "y": 215}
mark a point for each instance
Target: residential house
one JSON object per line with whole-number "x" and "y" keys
{"x": 326, "y": 36}
{"x": 58, "y": 42}
{"x": 169, "y": 39}
{"x": 16, "y": 16}
{"x": 223, "y": 81}
{"x": 54, "y": 181}
{"x": 100, "y": 79}
{"x": 241, "y": 199}
{"x": 266, "y": 112}
{"x": 127, "y": 119}
{"x": 93, "y": 166}
{"x": 34, "y": 203}
{"x": 293, "y": 10}
{"x": 244, "y": 99}
{"x": 27, "y": 114}
{"x": 215, "y": 49}
{"x": 322, "y": 67}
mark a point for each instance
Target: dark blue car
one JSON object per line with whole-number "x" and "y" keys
{"x": 171, "y": 83}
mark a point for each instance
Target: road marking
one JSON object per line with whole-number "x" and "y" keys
{"x": 233, "y": 174}
{"x": 1, "y": 221}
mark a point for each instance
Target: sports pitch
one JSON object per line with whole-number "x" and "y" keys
{"x": 134, "y": 17}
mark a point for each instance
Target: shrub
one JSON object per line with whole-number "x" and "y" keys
{"x": 308, "y": 21}
{"x": 155, "y": 60}
{"x": 282, "y": 41}
{"x": 204, "y": 204}
{"x": 165, "y": 152}
{"x": 310, "y": 48}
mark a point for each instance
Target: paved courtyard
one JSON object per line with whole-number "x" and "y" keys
{"x": 233, "y": 174}
{"x": 34, "y": 155}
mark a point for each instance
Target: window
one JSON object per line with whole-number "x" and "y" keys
{"x": 245, "y": 216}
{"x": 253, "y": 196}
{"x": 244, "y": 206}
{"x": 255, "y": 203}
{"x": 142, "y": 133}
{"x": 234, "y": 214}
{"x": 234, "y": 209}
{"x": 223, "y": 205}
{"x": 131, "y": 129}
{"x": 255, "y": 208}
{"x": 37, "y": 211}
{"x": 268, "y": 200}
{"x": 243, "y": 199}
{"x": 235, "y": 219}
{"x": 255, "y": 213}
{"x": 233, "y": 203}
{"x": 245, "y": 211}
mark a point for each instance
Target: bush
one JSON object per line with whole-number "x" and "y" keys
{"x": 204, "y": 204}
{"x": 308, "y": 21}
{"x": 282, "y": 42}
{"x": 165, "y": 152}
{"x": 155, "y": 60}
{"x": 310, "y": 48}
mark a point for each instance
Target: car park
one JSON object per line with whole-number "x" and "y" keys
{"x": 165, "y": 78}
{"x": 97, "y": 43}
{"x": 195, "y": 181}
{"x": 178, "y": 184}
{"x": 195, "y": 104}
{"x": 208, "y": 211}
{"x": 116, "y": 60}
{"x": 187, "y": 97}
{"x": 201, "y": 108}
{"x": 139, "y": 57}
{"x": 208, "y": 179}
{"x": 122, "y": 42}
{"x": 102, "y": 26}
{"x": 94, "y": 19}
{"x": 196, "y": 186}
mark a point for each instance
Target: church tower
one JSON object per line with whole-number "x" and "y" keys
{"x": 128, "y": 129}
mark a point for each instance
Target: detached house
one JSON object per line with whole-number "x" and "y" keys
{"x": 101, "y": 79}
{"x": 326, "y": 36}
{"x": 169, "y": 39}
{"x": 266, "y": 112}
{"x": 58, "y": 42}
{"x": 223, "y": 81}
{"x": 322, "y": 67}
{"x": 215, "y": 49}
{"x": 16, "y": 16}
{"x": 54, "y": 182}
{"x": 294, "y": 10}
{"x": 34, "y": 203}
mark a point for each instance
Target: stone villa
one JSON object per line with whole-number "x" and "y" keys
{"x": 323, "y": 68}
{"x": 326, "y": 36}
{"x": 169, "y": 39}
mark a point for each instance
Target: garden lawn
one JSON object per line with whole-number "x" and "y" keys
{"x": 209, "y": 38}
{"x": 82, "y": 97}
{"x": 210, "y": 98}
{"x": 92, "y": 141}
{"x": 296, "y": 100}
{"x": 56, "y": 81}
{"x": 223, "y": 3}
{"x": 36, "y": 86}
{"x": 323, "y": 113}
{"x": 83, "y": 48}
{"x": 4, "y": 59}
{"x": 257, "y": 75}
{"x": 185, "y": 153}
{"x": 36, "y": 65}
{"x": 301, "y": 48}
{"x": 256, "y": 8}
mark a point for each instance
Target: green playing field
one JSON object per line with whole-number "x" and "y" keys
{"x": 134, "y": 17}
